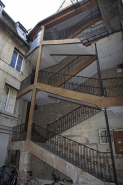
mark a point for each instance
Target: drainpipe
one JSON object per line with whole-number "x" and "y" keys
{"x": 111, "y": 148}
{"x": 99, "y": 72}
{"x": 106, "y": 118}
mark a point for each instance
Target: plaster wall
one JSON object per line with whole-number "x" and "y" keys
{"x": 110, "y": 53}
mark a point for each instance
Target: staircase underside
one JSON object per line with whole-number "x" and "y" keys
{"x": 101, "y": 102}
{"x": 76, "y": 71}
{"x": 77, "y": 175}
{"x": 85, "y": 26}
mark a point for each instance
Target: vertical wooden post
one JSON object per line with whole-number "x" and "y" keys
{"x": 33, "y": 99}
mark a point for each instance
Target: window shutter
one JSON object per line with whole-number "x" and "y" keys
{"x": 11, "y": 101}
{"x": 4, "y": 98}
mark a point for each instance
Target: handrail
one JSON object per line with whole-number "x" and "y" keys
{"x": 77, "y": 114}
{"x": 65, "y": 137}
{"x": 78, "y": 83}
{"x": 78, "y": 25}
{"x": 64, "y": 66}
{"x": 70, "y": 75}
{"x": 69, "y": 29}
{"x": 98, "y": 164}
{"x": 19, "y": 132}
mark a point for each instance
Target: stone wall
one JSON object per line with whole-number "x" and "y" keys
{"x": 13, "y": 78}
{"x": 110, "y": 13}
{"x": 109, "y": 73}
{"x": 7, "y": 73}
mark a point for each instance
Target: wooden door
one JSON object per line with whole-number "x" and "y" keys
{"x": 118, "y": 141}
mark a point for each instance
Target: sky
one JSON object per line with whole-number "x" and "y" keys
{"x": 30, "y": 12}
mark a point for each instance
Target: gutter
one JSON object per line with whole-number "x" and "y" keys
{"x": 5, "y": 24}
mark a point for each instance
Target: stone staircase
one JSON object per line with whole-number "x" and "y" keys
{"x": 88, "y": 159}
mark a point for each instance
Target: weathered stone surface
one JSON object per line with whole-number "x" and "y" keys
{"x": 77, "y": 175}
{"x": 110, "y": 13}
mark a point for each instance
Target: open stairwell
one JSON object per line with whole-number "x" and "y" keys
{"x": 79, "y": 162}
{"x": 71, "y": 158}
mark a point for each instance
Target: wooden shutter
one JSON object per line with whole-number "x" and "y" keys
{"x": 118, "y": 141}
{"x": 11, "y": 101}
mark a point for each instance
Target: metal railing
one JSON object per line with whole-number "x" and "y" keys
{"x": 92, "y": 33}
{"x": 76, "y": 62}
{"x": 71, "y": 82}
{"x": 64, "y": 34}
{"x": 27, "y": 81}
{"x": 72, "y": 118}
{"x": 19, "y": 132}
{"x": 96, "y": 163}
{"x": 112, "y": 86}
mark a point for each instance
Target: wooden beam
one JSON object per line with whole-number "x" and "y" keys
{"x": 85, "y": 26}
{"x": 75, "y": 71}
{"x": 64, "y": 41}
{"x": 102, "y": 102}
{"x": 25, "y": 91}
{"x": 31, "y": 114}
{"x": 62, "y": 16}
{"x": 39, "y": 56}
{"x": 33, "y": 99}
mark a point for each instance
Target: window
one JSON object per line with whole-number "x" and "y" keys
{"x": 103, "y": 135}
{"x": 8, "y": 99}
{"x": 16, "y": 61}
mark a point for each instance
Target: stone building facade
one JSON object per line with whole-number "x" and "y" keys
{"x": 10, "y": 40}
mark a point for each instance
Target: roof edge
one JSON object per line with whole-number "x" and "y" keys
{"x": 51, "y": 16}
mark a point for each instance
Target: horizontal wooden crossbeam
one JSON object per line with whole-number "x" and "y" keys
{"x": 102, "y": 102}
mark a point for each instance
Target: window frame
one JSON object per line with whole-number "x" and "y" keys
{"x": 18, "y": 53}
{"x": 100, "y": 141}
{"x": 8, "y": 99}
